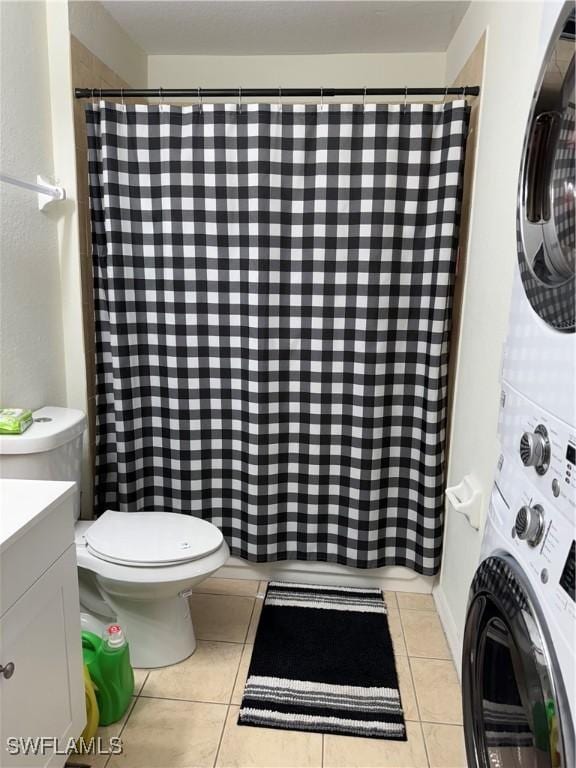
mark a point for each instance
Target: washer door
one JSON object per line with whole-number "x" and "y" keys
{"x": 546, "y": 199}
{"x": 512, "y": 694}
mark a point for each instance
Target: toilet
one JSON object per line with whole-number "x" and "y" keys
{"x": 134, "y": 568}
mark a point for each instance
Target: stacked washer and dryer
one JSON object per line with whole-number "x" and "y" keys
{"x": 518, "y": 668}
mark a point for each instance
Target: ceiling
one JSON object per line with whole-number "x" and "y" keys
{"x": 244, "y": 27}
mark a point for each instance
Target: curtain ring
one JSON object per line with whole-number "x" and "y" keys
{"x": 405, "y": 95}
{"x": 322, "y": 97}
{"x": 161, "y": 95}
{"x": 100, "y": 98}
{"x": 240, "y": 99}
{"x": 200, "y": 94}
{"x": 122, "y": 95}
{"x": 364, "y": 97}
{"x": 279, "y": 92}
{"x": 445, "y": 95}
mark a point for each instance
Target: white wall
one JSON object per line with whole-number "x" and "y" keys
{"x": 296, "y": 71}
{"x": 511, "y": 68}
{"x": 64, "y": 153}
{"x": 32, "y": 370}
{"x": 91, "y": 23}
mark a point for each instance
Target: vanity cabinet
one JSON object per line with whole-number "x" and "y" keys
{"x": 41, "y": 682}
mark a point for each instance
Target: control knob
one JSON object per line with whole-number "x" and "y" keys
{"x": 535, "y": 449}
{"x": 529, "y": 525}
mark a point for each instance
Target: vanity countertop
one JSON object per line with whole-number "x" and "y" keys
{"x": 23, "y": 503}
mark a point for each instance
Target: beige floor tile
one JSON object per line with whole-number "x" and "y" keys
{"x": 246, "y": 747}
{"x": 445, "y": 745}
{"x": 254, "y": 620}
{"x": 221, "y": 617}
{"x": 424, "y": 635}
{"x": 105, "y": 734}
{"x": 351, "y": 752}
{"x": 411, "y": 601}
{"x": 140, "y": 676}
{"x": 391, "y": 601}
{"x": 396, "y": 633}
{"x": 171, "y": 734}
{"x": 437, "y": 691}
{"x": 242, "y": 674}
{"x": 407, "y": 693}
{"x": 215, "y": 586}
{"x": 208, "y": 675}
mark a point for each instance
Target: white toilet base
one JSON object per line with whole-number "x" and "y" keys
{"x": 159, "y": 632}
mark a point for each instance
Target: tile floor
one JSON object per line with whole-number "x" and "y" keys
{"x": 185, "y": 716}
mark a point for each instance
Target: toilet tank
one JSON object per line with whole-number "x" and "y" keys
{"x": 51, "y": 449}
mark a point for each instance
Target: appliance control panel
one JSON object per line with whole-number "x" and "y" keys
{"x": 541, "y": 448}
{"x": 549, "y": 563}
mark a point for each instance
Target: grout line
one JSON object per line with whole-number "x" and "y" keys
{"x": 250, "y": 622}
{"x": 410, "y": 669}
{"x": 227, "y": 594}
{"x": 414, "y": 690}
{"x": 143, "y": 683}
{"x": 424, "y": 743}
{"x": 427, "y": 611}
{"x": 441, "y": 722}
{"x": 209, "y": 640}
{"x": 236, "y": 675}
{"x": 322, "y": 763}
{"x": 175, "y": 698}
{"x": 221, "y": 735}
{"x": 129, "y": 715}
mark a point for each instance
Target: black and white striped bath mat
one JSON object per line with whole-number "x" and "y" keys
{"x": 323, "y": 661}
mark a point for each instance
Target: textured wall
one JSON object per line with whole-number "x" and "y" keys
{"x": 512, "y": 62}
{"x": 32, "y": 370}
{"x": 345, "y": 70}
{"x": 93, "y": 26}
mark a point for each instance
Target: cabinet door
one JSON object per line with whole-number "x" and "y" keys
{"x": 40, "y": 635}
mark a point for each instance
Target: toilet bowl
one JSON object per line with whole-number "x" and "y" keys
{"x": 134, "y": 568}
{"x": 139, "y": 568}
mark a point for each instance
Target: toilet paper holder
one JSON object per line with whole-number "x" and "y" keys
{"x": 466, "y": 498}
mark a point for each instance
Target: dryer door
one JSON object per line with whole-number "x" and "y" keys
{"x": 513, "y": 696}
{"x": 546, "y": 199}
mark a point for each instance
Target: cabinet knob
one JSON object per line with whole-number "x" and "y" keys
{"x": 7, "y": 670}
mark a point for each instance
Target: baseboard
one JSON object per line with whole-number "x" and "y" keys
{"x": 449, "y": 625}
{"x": 391, "y": 578}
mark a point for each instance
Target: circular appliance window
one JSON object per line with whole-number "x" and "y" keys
{"x": 515, "y": 708}
{"x": 546, "y": 206}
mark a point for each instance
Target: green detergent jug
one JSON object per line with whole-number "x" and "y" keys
{"x": 108, "y": 662}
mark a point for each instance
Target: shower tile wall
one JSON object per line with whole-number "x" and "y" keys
{"x": 88, "y": 71}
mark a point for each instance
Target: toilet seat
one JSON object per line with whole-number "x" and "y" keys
{"x": 138, "y": 574}
{"x": 151, "y": 539}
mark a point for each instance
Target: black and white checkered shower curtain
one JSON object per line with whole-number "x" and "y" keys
{"x": 273, "y": 291}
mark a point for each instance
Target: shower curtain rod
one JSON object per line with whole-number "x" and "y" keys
{"x": 200, "y": 93}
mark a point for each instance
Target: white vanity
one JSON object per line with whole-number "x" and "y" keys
{"x": 41, "y": 679}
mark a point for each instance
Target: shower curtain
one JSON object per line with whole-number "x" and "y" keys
{"x": 273, "y": 289}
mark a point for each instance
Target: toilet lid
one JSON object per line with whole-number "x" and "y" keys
{"x": 151, "y": 539}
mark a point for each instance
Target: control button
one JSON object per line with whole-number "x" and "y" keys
{"x": 529, "y": 524}
{"x": 535, "y": 449}
{"x": 555, "y": 487}
{"x": 544, "y": 576}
